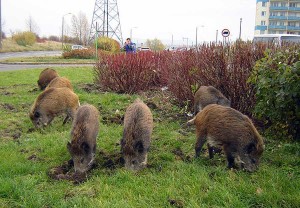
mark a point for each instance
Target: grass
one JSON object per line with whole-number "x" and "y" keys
{"x": 48, "y": 60}
{"x": 170, "y": 181}
{"x": 8, "y": 45}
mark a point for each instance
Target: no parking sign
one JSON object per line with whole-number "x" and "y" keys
{"x": 225, "y": 33}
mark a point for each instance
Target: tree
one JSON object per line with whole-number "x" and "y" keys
{"x": 80, "y": 28}
{"x": 32, "y": 25}
{"x": 155, "y": 44}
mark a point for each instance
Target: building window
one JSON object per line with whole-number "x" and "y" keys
{"x": 273, "y": 23}
{"x": 282, "y": 14}
{"x": 263, "y": 4}
{"x": 283, "y": 4}
{"x": 274, "y": 4}
{"x": 263, "y": 23}
{"x": 280, "y": 32}
{"x": 281, "y": 23}
{"x": 273, "y": 14}
{"x": 263, "y": 13}
{"x": 292, "y": 5}
{"x": 292, "y": 24}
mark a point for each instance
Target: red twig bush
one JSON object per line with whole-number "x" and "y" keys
{"x": 226, "y": 67}
{"x": 129, "y": 73}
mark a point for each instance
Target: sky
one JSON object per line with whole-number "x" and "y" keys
{"x": 148, "y": 19}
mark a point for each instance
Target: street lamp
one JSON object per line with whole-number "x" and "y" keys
{"x": 187, "y": 41}
{"x": 131, "y": 32}
{"x": 62, "y": 31}
{"x": 240, "y": 28}
{"x": 197, "y": 36}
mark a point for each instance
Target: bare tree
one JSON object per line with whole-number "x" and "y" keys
{"x": 80, "y": 28}
{"x": 32, "y": 25}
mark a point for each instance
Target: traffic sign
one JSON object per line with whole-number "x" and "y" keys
{"x": 225, "y": 33}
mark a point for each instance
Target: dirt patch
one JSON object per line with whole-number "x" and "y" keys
{"x": 179, "y": 155}
{"x": 66, "y": 172}
{"x": 106, "y": 161}
{"x": 6, "y": 93}
{"x": 34, "y": 157}
{"x": 90, "y": 88}
{"x": 176, "y": 203}
{"x": 8, "y": 107}
{"x": 116, "y": 118}
{"x": 34, "y": 90}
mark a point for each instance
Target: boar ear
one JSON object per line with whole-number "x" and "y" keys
{"x": 139, "y": 146}
{"x": 250, "y": 148}
{"x": 86, "y": 147}
{"x": 37, "y": 114}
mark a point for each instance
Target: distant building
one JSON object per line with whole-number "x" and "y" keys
{"x": 277, "y": 17}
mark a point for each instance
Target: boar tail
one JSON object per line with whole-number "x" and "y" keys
{"x": 191, "y": 122}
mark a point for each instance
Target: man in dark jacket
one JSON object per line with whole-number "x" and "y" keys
{"x": 129, "y": 47}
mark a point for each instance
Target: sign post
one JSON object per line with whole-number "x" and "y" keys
{"x": 225, "y": 34}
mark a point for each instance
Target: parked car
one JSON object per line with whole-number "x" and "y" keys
{"x": 143, "y": 48}
{"x": 80, "y": 47}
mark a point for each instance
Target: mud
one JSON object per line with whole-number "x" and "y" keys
{"x": 8, "y": 107}
{"x": 116, "y": 118}
{"x": 179, "y": 155}
{"x": 108, "y": 162}
{"x": 90, "y": 88}
{"x": 176, "y": 203}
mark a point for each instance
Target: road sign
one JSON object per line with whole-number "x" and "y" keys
{"x": 225, "y": 33}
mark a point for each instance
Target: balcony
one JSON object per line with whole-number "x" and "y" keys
{"x": 293, "y": 28}
{"x": 294, "y": 8}
{"x": 261, "y": 27}
{"x": 293, "y": 18}
{"x": 278, "y": 17}
{"x": 277, "y": 27}
{"x": 278, "y": 8}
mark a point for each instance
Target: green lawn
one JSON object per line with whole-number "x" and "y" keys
{"x": 174, "y": 178}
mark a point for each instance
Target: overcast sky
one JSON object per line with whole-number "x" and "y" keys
{"x": 153, "y": 18}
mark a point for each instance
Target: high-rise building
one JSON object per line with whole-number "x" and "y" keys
{"x": 277, "y": 17}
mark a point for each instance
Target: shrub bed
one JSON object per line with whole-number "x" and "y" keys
{"x": 277, "y": 86}
{"x": 79, "y": 54}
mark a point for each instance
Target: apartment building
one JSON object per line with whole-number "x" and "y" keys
{"x": 277, "y": 17}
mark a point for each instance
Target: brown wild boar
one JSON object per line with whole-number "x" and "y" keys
{"x": 45, "y": 77}
{"x": 227, "y": 128}
{"x": 59, "y": 82}
{"x": 84, "y": 133}
{"x": 138, "y": 126}
{"x": 206, "y": 95}
{"x": 52, "y": 102}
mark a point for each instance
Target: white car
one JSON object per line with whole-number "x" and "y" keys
{"x": 80, "y": 47}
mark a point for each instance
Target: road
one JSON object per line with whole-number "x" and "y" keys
{"x": 11, "y": 67}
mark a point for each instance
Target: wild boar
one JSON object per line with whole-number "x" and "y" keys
{"x": 59, "y": 82}
{"x": 227, "y": 128}
{"x": 84, "y": 134}
{"x": 53, "y": 102}
{"x": 206, "y": 95}
{"x": 45, "y": 77}
{"x": 135, "y": 143}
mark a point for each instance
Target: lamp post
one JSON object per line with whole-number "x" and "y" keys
{"x": 131, "y": 32}
{"x": 197, "y": 36}
{"x": 62, "y": 31}
{"x": 187, "y": 41}
{"x": 240, "y": 28}
{"x": 217, "y": 32}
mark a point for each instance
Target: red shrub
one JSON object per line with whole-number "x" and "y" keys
{"x": 79, "y": 54}
{"x": 128, "y": 73}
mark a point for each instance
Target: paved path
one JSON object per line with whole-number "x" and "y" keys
{"x": 7, "y": 55}
{"x": 11, "y": 66}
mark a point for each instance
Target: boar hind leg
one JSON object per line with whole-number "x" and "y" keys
{"x": 201, "y": 138}
{"x": 66, "y": 119}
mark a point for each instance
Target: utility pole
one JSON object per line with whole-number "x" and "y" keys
{"x": 240, "y": 29}
{"x": 217, "y": 32}
{"x": 106, "y": 13}
{"x": 62, "y": 31}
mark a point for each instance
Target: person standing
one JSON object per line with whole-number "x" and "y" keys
{"x": 129, "y": 47}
